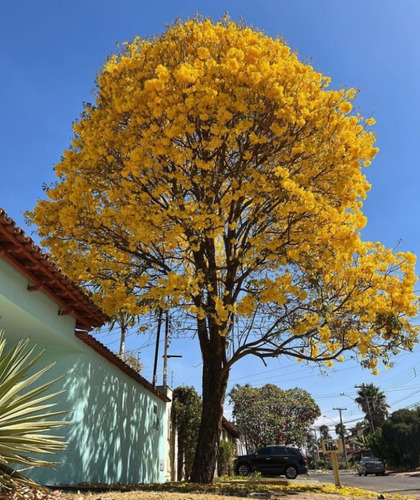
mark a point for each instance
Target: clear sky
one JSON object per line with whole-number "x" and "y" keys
{"x": 51, "y": 50}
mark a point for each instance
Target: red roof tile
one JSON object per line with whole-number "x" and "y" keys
{"x": 23, "y": 254}
{"x": 229, "y": 428}
{"x": 28, "y": 258}
{"x": 113, "y": 358}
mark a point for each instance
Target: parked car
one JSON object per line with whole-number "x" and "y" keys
{"x": 371, "y": 465}
{"x": 272, "y": 461}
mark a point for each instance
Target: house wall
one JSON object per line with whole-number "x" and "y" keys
{"x": 170, "y": 444}
{"x": 238, "y": 445}
{"x": 118, "y": 427}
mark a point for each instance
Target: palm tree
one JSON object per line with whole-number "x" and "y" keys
{"x": 24, "y": 414}
{"x": 373, "y": 403}
{"x": 341, "y": 431}
{"x": 325, "y": 432}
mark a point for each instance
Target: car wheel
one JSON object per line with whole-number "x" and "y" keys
{"x": 365, "y": 474}
{"x": 244, "y": 470}
{"x": 360, "y": 474}
{"x": 290, "y": 472}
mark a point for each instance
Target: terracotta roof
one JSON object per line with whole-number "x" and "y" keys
{"x": 28, "y": 258}
{"x": 24, "y": 255}
{"x": 229, "y": 428}
{"x": 113, "y": 358}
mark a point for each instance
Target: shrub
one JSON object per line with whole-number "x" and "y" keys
{"x": 24, "y": 409}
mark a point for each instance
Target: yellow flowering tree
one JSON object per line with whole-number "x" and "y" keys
{"x": 219, "y": 175}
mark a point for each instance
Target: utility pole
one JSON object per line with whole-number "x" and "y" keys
{"x": 342, "y": 433}
{"x": 165, "y": 351}
{"x": 157, "y": 348}
{"x": 166, "y": 356}
{"x": 316, "y": 458}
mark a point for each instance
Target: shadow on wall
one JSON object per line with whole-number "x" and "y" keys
{"x": 117, "y": 429}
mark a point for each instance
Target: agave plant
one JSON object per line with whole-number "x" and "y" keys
{"x": 25, "y": 416}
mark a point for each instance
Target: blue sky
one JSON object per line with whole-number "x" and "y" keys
{"x": 50, "y": 52}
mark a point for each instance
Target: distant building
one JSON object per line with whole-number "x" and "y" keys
{"x": 229, "y": 433}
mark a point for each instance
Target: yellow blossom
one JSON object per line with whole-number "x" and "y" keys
{"x": 345, "y": 107}
{"x": 218, "y": 174}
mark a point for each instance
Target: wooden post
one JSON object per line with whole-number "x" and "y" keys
{"x": 335, "y": 469}
{"x": 333, "y": 446}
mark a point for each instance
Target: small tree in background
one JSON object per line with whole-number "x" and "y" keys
{"x": 325, "y": 432}
{"x": 400, "y": 438}
{"x": 24, "y": 416}
{"x": 123, "y": 321}
{"x": 224, "y": 458}
{"x": 270, "y": 415}
{"x": 341, "y": 431}
{"x": 186, "y": 414}
{"x": 312, "y": 446}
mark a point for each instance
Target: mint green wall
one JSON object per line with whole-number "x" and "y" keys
{"x": 34, "y": 313}
{"x": 115, "y": 435}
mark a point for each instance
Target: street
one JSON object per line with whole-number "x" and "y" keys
{"x": 403, "y": 483}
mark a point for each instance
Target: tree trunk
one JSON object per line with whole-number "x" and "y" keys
{"x": 215, "y": 378}
{"x": 123, "y": 329}
{"x": 180, "y": 462}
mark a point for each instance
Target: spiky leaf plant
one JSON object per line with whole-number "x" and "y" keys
{"x": 25, "y": 416}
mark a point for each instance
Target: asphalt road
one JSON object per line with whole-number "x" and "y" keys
{"x": 403, "y": 483}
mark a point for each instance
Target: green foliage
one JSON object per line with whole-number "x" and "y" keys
{"x": 312, "y": 450}
{"x": 374, "y": 443}
{"x": 186, "y": 416}
{"x": 24, "y": 414}
{"x": 269, "y": 414}
{"x": 400, "y": 443}
{"x": 373, "y": 403}
{"x": 225, "y": 458}
{"x": 340, "y": 430}
{"x": 362, "y": 443}
{"x": 325, "y": 432}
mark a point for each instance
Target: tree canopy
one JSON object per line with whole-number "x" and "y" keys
{"x": 374, "y": 404}
{"x": 219, "y": 175}
{"x": 324, "y": 432}
{"x": 270, "y": 415}
{"x": 398, "y": 441}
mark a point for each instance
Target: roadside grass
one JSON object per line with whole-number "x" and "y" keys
{"x": 221, "y": 488}
{"x": 232, "y": 486}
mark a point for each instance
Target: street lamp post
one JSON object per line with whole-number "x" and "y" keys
{"x": 316, "y": 458}
{"x": 340, "y": 410}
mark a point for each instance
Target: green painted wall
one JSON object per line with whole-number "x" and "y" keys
{"x": 118, "y": 429}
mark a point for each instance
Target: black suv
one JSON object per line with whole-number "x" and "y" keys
{"x": 272, "y": 461}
